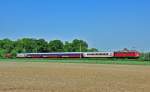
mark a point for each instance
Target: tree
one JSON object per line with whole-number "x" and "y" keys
{"x": 19, "y": 46}
{"x": 68, "y": 47}
{"x": 56, "y": 46}
{"x": 2, "y": 53}
{"x": 13, "y": 53}
{"x": 7, "y": 45}
{"x": 92, "y": 50}
{"x": 79, "y": 46}
{"x": 42, "y": 45}
{"x": 26, "y": 45}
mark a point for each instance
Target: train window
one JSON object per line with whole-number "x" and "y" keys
{"x": 98, "y": 54}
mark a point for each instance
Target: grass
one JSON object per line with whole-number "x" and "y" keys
{"x": 89, "y": 61}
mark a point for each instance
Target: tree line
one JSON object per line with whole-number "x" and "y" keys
{"x": 32, "y": 45}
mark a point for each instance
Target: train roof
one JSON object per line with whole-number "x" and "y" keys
{"x": 54, "y": 53}
{"x": 65, "y": 53}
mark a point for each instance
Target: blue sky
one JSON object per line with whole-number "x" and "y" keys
{"x": 104, "y": 24}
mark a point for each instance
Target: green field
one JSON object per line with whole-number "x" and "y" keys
{"x": 90, "y": 61}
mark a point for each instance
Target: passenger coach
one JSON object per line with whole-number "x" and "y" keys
{"x": 98, "y": 54}
{"x": 51, "y": 55}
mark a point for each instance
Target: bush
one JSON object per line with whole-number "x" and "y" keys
{"x": 13, "y": 53}
{"x": 145, "y": 56}
{"x": 2, "y": 53}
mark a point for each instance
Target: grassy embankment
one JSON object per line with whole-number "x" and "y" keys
{"x": 90, "y": 61}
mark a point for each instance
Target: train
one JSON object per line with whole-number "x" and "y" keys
{"x": 116, "y": 54}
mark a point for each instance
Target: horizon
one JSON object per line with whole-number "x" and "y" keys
{"x": 105, "y": 25}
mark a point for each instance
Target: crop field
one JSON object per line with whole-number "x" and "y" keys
{"x": 73, "y": 77}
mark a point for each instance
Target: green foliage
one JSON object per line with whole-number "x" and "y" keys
{"x": 56, "y": 46}
{"x": 2, "y": 53}
{"x": 27, "y": 45}
{"x": 79, "y": 46}
{"x": 68, "y": 47}
{"x": 7, "y": 45}
{"x": 145, "y": 56}
{"x": 41, "y": 45}
{"x": 92, "y": 50}
{"x": 13, "y": 53}
{"x": 76, "y": 46}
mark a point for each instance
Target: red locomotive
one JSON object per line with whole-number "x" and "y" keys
{"x": 127, "y": 54}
